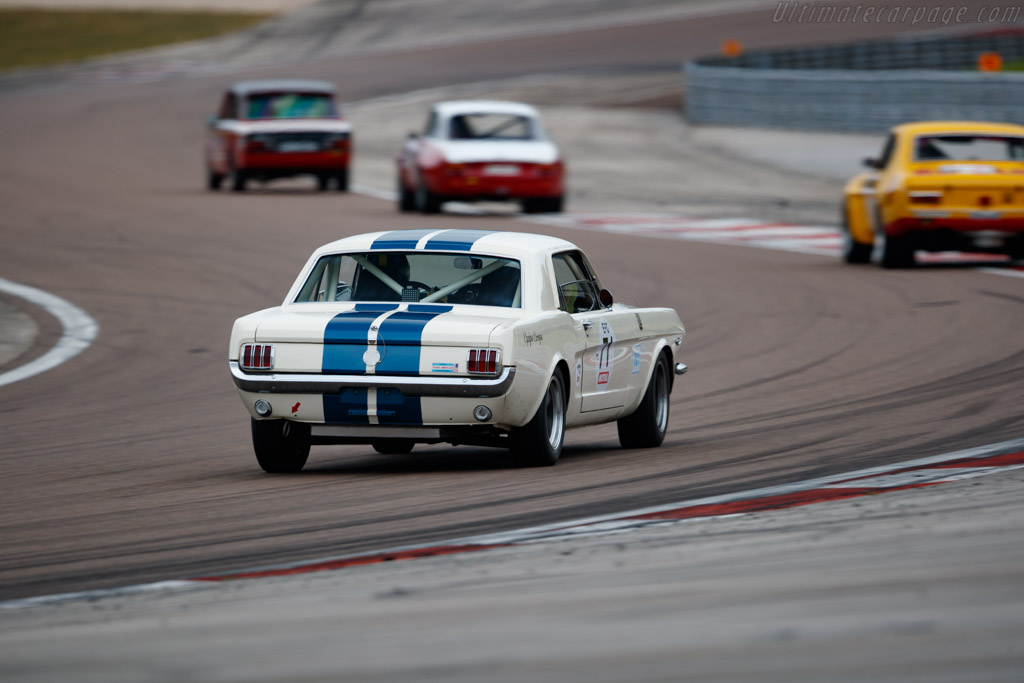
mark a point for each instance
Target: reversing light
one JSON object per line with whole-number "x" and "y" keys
{"x": 483, "y": 362}
{"x": 262, "y": 408}
{"x": 257, "y": 357}
{"x": 482, "y": 413}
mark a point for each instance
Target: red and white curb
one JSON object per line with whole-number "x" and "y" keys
{"x": 919, "y": 473}
{"x": 823, "y": 240}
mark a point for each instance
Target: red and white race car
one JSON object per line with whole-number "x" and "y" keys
{"x": 277, "y": 129}
{"x": 481, "y": 150}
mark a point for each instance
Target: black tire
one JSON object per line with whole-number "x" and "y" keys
{"x": 213, "y": 179}
{"x": 897, "y": 253}
{"x": 533, "y": 205}
{"x": 539, "y": 442}
{"x": 646, "y": 427}
{"x": 543, "y": 204}
{"x": 341, "y": 180}
{"x": 238, "y": 180}
{"x": 556, "y": 204}
{"x": 426, "y": 201}
{"x": 406, "y": 197}
{"x": 853, "y": 252}
{"x": 394, "y": 446}
{"x": 281, "y": 446}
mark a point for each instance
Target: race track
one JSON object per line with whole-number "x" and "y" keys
{"x": 132, "y": 462}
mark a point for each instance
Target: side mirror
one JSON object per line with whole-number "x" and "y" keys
{"x": 871, "y": 162}
{"x": 606, "y": 298}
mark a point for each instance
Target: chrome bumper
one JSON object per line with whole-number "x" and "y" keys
{"x": 454, "y": 387}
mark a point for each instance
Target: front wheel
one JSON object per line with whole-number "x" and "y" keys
{"x": 238, "y": 180}
{"x": 646, "y": 427}
{"x": 539, "y": 442}
{"x": 281, "y": 446}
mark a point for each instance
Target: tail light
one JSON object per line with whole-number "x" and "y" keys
{"x": 454, "y": 170}
{"x": 483, "y": 362}
{"x": 257, "y": 357}
{"x": 256, "y": 143}
{"x": 929, "y": 198}
{"x": 339, "y": 141}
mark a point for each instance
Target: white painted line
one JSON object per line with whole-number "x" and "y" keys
{"x": 79, "y": 331}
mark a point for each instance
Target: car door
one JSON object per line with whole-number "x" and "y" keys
{"x": 604, "y": 361}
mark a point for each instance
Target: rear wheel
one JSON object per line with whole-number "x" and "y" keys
{"x": 646, "y": 427}
{"x": 213, "y": 179}
{"x": 238, "y": 180}
{"x": 281, "y": 445}
{"x": 323, "y": 182}
{"x": 853, "y": 252}
{"x": 394, "y": 446}
{"x": 341, "y": 180}
{"x": 543, "y": 204}
{"x": 539, "y": 442}
{"x": 406, "y": 197}
{"x": 426, "y": 201}
{"x": 897, "y": 253}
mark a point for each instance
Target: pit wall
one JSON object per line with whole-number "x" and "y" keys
{"x": 861, "y": 87}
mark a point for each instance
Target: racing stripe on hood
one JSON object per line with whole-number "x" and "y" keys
{"x": 456, "y": 240}
{"x": 400, "y": 239}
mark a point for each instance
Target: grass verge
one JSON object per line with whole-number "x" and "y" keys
{"x": 30, "y": 37}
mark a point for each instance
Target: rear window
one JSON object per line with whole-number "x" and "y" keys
{"x": 290, "y": 106}
{"x": 491, "y": 127}
{"x": 968, "y": 148}
{"x": 415, "y": 276}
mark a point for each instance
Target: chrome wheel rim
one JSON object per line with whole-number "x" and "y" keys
{"x": 661, "y": 399}
{"x": 555, "y": 414}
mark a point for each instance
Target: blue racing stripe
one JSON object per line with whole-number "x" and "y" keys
{"x": 456, "y": 240}
{"x": 402, "y": 334}
{"x": 346, "y": 407}
{"x": 345, "y": 339}
{"x": 400, "y": 239}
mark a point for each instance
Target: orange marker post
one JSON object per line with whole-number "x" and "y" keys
{"x": 732, "y": 47}
{"x": 990, "y": 61}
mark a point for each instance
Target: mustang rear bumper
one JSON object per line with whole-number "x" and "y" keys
{"x": 451, "y": 387}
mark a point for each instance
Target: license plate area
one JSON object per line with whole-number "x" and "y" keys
{"x": 288, "y": 146}
{"x": 503, "y": 170}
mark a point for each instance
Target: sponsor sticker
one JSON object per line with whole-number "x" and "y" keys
{"x": 637, "y": 355}
{"x": 605, "y": 355}
{"x": 579, "y": 371}
{"x": 444, "y": 367}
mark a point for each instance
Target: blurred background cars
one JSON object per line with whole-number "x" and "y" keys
{"x": 271, "y": 129}
{"x": 476, "y": 150}
{"x": 938, "y": 186}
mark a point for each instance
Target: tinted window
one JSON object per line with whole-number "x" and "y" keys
{"x": 289, "y": 106}
{"x": 968, "y": 148}
{"x": 414, "y": 276}
{"x": 576, "y": 286}
{"x": 490, "y": 127}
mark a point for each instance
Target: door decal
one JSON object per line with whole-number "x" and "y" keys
{"x": 605, "y": 355}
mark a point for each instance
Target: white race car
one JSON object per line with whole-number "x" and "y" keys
{"x": 451, "y": 336}
{"x": 473, "y": 150}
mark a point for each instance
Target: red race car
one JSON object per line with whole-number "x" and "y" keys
{"x": 278, "y": 129}
{"x": 481, "y": 150}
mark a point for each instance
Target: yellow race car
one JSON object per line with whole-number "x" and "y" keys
{"x": 938, "y": 186}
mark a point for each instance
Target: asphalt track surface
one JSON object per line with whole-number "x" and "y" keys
{"x": 132, "y": 463}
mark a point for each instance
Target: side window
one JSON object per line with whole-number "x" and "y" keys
{"x": 331, "y": 280}
{"x": 887, "y": 150}
{"x": 577, "y": 290}
{"x": 428, "y": 131}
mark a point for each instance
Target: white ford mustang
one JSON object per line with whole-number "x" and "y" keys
{"x": 451, "y": 336}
